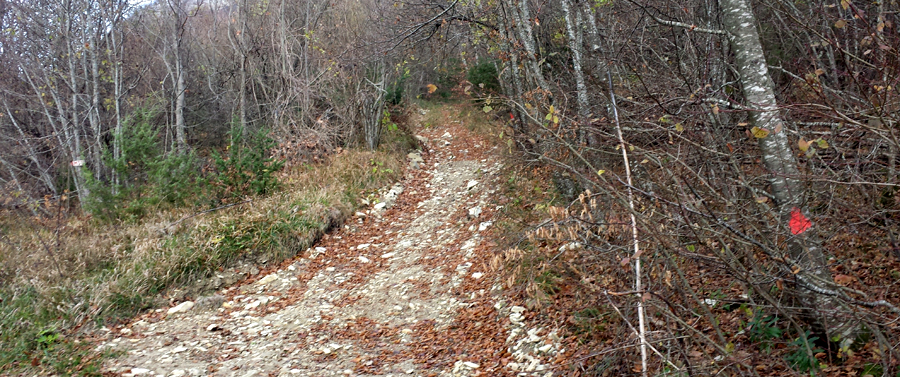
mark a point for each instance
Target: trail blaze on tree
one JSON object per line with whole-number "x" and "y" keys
{"x": 798, "y": 223}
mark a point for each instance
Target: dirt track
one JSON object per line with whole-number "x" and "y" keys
{"x": 402, "y": 289}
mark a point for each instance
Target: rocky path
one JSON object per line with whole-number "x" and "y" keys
{"x": 404, "y": 288}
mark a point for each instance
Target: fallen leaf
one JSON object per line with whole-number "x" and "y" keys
{"x": 431, "y": 88}
{"x": 844, "y": 279}
{"x": 759, "y": 133}
{"x": 840, "y": 24}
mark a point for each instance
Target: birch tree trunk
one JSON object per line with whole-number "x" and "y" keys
{"x": 94, "y": 114}
{"x": 815, "y": 289}
{"x": 573, "y": 29}
{"x": 114, "y": 56}
{"x": 180, "y": 21}
{"x": 522, "y": 20}
{"x": 372, "y": 107}
{"x": 72, "y": 125}
{"x": 512, "y": 70}
{"x": 180, "y": 88}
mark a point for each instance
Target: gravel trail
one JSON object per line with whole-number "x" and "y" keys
{"x": 403, "y": 289}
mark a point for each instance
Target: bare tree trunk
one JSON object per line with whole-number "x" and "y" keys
{"x": 372, "y": 106}
{"x": 73, "y": 134}
{"x": 241, "y": 49}
{"x": 595, "y": 50}
{"x": 15, "y": 179}
{"x": 32, "y": 154}
{"x": 816, "y": 289}
{"x": 114, "y": 55}
{"x": 522, "y": 20}
{"x": 573, "y": 29}
{"x": 178, "y": 30}
{"x": 180, "y": 88}
{"x": 513, "y": 71}
{"x": 94, "y": 114}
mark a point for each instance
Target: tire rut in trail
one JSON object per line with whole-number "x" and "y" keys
{"x": 397, "y": 291}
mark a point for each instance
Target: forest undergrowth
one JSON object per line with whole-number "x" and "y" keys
{"x": 710, "y": 307}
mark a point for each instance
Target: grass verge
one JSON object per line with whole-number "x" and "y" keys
{"x": 60, "y": 276}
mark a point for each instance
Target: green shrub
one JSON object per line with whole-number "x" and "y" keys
{"x": 484, "y": 76}
{"x": 764, "y": 331}
{"x": 143, "y": 175}
{"x": 395, "y": 90}
{"x": 247, "y": 167}
{"x": 175, "y": 179}
{"x": 802, "y": 359}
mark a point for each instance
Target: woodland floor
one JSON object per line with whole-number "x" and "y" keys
{"x": 403, "y": 289}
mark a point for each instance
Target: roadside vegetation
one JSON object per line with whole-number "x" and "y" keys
{"x": 79, "y": 271}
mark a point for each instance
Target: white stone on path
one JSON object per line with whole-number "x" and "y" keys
{"x": 181, "y": 308}
{"x": 268, "y": 279}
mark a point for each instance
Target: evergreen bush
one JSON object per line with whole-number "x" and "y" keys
{"x": 484, "y": 76}
{"x": 246, "y": 168}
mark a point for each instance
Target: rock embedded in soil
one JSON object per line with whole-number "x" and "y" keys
{"x": 181, "y": 308}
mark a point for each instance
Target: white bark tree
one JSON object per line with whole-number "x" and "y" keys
{"x": 576, "y": 40}
{"x": 816, "y": 288}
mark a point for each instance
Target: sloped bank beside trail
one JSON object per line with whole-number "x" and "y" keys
{"x": 403, "y": 288}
